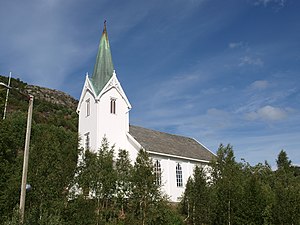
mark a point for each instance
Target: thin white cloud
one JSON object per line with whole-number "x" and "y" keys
{"x": 236, "y": 44}
{"x": 268, "y": 113}
{"x": 260, "y": 85}
{"x": 248, "y": 60}
{"x": 268, "y": 2}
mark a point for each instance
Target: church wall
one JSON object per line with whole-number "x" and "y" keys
{"x": 168, "y": 166}
{"x": 133, "y": 149}
{"x": 113, "y": 125}
{"x": 87, "y": 123}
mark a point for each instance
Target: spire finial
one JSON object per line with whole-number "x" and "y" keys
{"x": 104, "y": 29}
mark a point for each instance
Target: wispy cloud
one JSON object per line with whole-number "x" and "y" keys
{"x": 268, "y": 113}
{"x": 237, "y": 45}
{"x": 248, "y": 60}
{"x": 260, "y": 85}
{"x": 268, "y": 2}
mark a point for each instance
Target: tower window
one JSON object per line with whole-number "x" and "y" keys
{"x": 179, "y": 175}
{"x": 88, "y": 107}
{"x": 113, "y": 106}
{"x": 157, "y": 172}
{"x": 87, "y": 141}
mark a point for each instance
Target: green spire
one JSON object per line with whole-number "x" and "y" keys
{"x": 104, "y": 67}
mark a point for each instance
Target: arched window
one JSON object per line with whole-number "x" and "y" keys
{"x": 113, "y": 106}
{"x": 87, "y": 141}
{"x": 157, "y": 172}
{"x": 88, "y": 110}
{"x": 179, "y": 175}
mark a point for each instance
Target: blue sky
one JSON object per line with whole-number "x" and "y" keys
{"x": 218, "y": 71}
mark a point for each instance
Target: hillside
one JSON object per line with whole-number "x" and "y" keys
{"x": 50, "y": 106}
{"x": 53, "y": 148}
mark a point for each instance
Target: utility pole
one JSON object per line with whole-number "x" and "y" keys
{"x": 6, "y": 99}
{"x": 26, "y": 152}
{"x": 25, "y": 162}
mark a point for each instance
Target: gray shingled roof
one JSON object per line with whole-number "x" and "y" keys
{"x": 165, "y": 143}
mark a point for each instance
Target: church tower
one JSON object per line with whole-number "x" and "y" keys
{"x": 103, "y": 107}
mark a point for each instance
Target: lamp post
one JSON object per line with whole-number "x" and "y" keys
{"x": 26, "y": 154}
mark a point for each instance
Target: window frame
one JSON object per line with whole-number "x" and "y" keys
{"x": 179, "y": 175}
{"x": 157, "y": 172}
{"x": 88, "y": 107}
{"x": 113, "y": 105}
{"x": 87, "y": 141}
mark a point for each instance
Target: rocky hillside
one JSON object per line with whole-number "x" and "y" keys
{"x": 52, "y": 96}
{"x": 50, "y": 106}
{"x": 42, "y": 93}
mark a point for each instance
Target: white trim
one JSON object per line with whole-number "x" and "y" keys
{"x": 114, "y": 83}
{"x": 204, "y": 146}
{"x": 135, "y": 142}
{"x": 87, "y": 87}
{"x": 178, "y": 157}
{"x": 177, "y": 167}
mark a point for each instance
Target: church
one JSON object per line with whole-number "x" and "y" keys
{"x": 103, "y": 111}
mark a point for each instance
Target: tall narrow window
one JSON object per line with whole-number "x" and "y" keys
{"x": 179, "y": 175}
{"x": 88, "y": 107}
{"x": 157, "y": 172}
{"x": 87, "y": 141}
{"x": 113, "y": 106}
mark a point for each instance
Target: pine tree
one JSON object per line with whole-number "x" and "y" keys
{"x": 287, "y": 192}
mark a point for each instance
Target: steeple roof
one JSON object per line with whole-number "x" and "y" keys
{"x": 104, "y": 68}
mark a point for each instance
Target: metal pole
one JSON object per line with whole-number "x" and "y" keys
{"x": 6, "y": 99}
{"x": 25, "y": 162}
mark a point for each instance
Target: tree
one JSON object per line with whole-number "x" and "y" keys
{"x": 258, "y": 197}
{"x": 197, "y": 198}
{"x": 287, "y": 192}
{"x": 283, "y": 161}
{"x": 187, "y": 202}
{"x": 52, "y": 164}
{"x": 201, "y": 197}
{"x": 227, "y": 189}
{"x": 12, "y": 137}
{"x": 124, "y": 186}
{"x": 145, "y": 194}
{"x": 96, "y": 177}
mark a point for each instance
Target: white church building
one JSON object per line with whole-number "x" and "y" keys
{"x": 104, "y": 112}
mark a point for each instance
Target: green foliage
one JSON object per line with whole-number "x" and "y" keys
{"x": 12, "y": 131}
{"x": 52, "y": 157}
{"x": 53, "y": 154}
{"x": 124, "y": 185}
{"x": 227, "y": 186}
{"x": 145, "y": 194}
{"x": 283, "y": 163}
{"x": 196, "y": 201}
{"x": 15, "y": 218}
{"x": 242, "y": 194}
{"x": 117, "y": 192}
{"x": 80, "y": 211}
{"x": 287, "y": 192}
